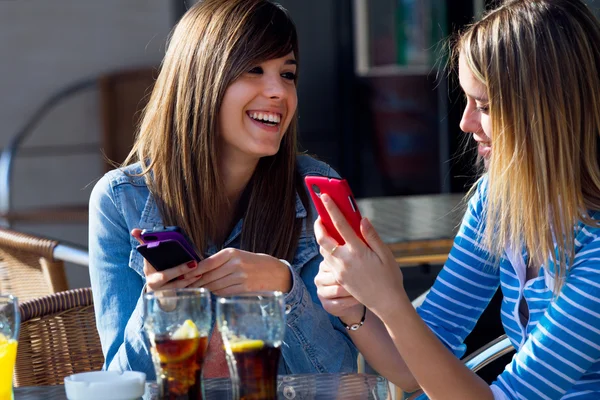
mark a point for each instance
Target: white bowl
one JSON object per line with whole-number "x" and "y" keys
{"x": 105, "y": 385}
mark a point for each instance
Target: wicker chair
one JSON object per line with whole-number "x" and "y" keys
{"x": 58, "y": 338}
{"x": 28, "y": 267}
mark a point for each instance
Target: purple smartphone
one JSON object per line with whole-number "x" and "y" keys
{"x": 167, "y": 247}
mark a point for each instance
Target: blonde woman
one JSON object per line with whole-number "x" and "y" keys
{"x": 216, "y": 155}
{"x": 529, "y": 70}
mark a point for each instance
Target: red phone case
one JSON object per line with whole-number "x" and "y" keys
{"x": 339, "y": 191}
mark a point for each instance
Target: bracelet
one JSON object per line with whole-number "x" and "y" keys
{"x": 354, "y": 327}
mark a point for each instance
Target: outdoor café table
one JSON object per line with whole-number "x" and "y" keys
{"x": 300, "y": 387}
{"x": 419, "y": 229}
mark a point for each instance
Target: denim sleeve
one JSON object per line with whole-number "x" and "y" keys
{"x": 315, "y": 341}
{"x": 116, "y": 286}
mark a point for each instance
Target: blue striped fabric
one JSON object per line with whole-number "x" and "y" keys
{"x": 558, "y": 352}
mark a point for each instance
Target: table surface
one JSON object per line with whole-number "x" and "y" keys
{"x": 413, "y": 218}
{"x": 305, "y": 387}
{"x": 419, "y": 229}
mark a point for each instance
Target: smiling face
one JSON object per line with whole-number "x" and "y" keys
{"x": 476, "y": 118}
{"x": 257, "y": 109}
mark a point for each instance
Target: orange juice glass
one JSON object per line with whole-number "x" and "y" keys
{"x": 9, "y": 333}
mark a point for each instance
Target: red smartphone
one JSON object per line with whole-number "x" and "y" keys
{"x": 339, "y": 191}
{"x": 166, "y": 247}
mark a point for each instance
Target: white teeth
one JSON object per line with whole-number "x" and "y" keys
{"x": 266, "y": 117}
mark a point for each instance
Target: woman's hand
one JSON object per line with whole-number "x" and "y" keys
{"x": 368, "y": 273}
{"x": 232, "y": 271}
{"x": 172, "y": 278}
{"x": 335, "y": 299}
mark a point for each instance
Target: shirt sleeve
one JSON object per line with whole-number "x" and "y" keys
{"x": 315, "y": 341}
{"x": 466, "y": 284}
{"x": 117, "y": 288}
{"x": 565, "y": 343}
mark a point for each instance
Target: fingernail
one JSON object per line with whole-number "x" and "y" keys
{"x": 365, "y": 223}
{"x": 199, "y": 276}
{"x": 325, "y": 198}
{"x": 191, "y": 264}
{"x": 181, "y": 277}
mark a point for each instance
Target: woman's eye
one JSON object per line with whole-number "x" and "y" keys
{"x": 289, "y": 75}
{"x": 256, "y": 70}
{"x": 483, "y": 109}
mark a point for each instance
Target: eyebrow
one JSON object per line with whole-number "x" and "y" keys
{"x": 476, "y": 98}
{"x": 291, "y": 61}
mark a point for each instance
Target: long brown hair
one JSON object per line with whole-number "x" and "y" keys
{"x": 539, "y": 61}
{"x": 213, "y": 44}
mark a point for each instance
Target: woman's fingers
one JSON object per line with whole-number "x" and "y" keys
{"x": 339, "y": 306}
{"x": 325, "y": 277}
{"x": 374, "y": 240}
{"x": 217, "y": 260}
{"x": 340, "y": 222}
{"x": 219, "y": 285}
{"x": 214, "y": 274}
{"x": 323, "y": 238}
{"x": 159, "y": 279}
{"x": 230, "y": 290}
{"x": 137, "y": 234}
{"x": 332, "y": 292}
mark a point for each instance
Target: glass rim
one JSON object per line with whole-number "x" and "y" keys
{"x": 181, "y": 293}
{"x": 249, "y": 296}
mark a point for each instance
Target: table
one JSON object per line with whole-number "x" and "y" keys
{"x": 299, "y": 387}
{"x": 418, "y": 229}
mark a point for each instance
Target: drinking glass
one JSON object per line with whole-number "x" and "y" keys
{"x": 178, "y": 324}
{"x": 10, "y": 319}
{"x": 252, "y": 326}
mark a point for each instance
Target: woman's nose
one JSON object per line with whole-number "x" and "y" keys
{"x": 469, "y": 121}
{"x": 274, "y": 88}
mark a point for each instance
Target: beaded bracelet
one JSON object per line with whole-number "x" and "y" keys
{"x": 354, "y": 327}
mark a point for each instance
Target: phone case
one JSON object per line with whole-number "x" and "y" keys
{"x": 170, "y": 233}
{"x": 339, "y": 191}
{"x": 165, "y": 254}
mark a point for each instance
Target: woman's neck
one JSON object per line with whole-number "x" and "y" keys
{"x": 236, "y": 177}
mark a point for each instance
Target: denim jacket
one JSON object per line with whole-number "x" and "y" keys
{"x": 314, "y": 340}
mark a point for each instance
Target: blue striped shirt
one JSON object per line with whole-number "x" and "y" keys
{"x": 558, "y": 350}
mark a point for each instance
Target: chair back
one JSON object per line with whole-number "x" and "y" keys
{"x": 479, "y": 359}
{"x": 28, "y": 268}
{"x": 58, "y": 337}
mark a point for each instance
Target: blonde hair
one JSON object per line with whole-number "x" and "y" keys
{"x": 539, "y": 60}
{"x": 212, "y": 45}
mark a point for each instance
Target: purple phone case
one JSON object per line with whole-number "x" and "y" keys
{"x": 165, "y": 254}
{"x": 164, "y": 235}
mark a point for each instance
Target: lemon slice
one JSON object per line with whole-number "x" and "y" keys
{"x": 246, "y": 345}
{"x": 187, "y": 330}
